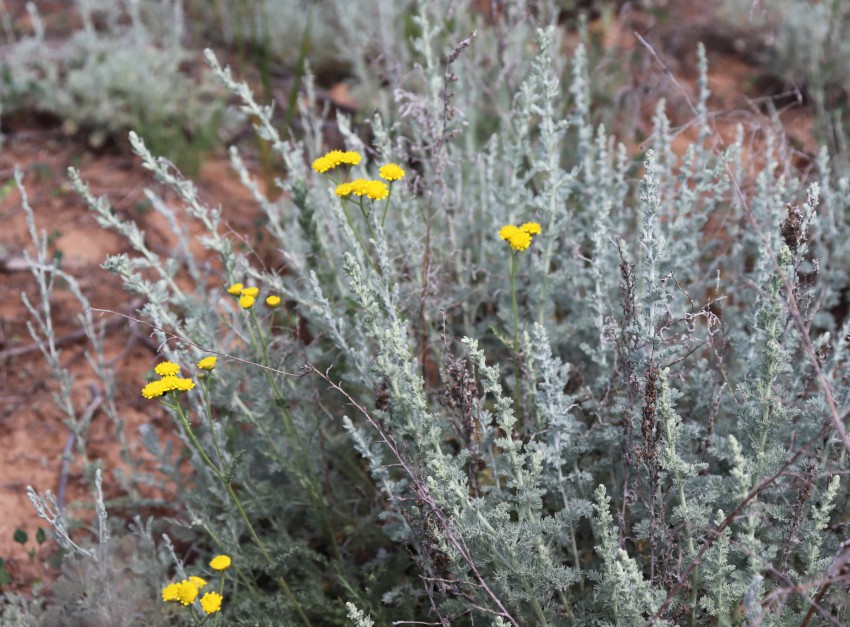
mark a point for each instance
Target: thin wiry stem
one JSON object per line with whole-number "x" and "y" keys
{"x": 422, "y": 491}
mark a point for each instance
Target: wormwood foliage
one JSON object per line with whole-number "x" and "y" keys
{"x": 629, "y": 410}
{"x": 119, "y": 70}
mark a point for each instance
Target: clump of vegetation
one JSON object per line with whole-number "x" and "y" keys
{"x": 803, "y": 45}
{"x": 506, "y": 374}
{"x": 124, "y": 69}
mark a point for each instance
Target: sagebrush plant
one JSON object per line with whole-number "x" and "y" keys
{"x": 803, "y": 44}
{"x": 628, "y": 410}
{"x": 122, "y": 70}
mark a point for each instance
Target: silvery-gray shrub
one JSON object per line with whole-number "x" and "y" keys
{"x": 672, "y": 454}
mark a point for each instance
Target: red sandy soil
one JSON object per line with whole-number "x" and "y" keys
{"x": 32, "y": 433}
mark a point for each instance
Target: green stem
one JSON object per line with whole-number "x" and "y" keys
{"x": 210, "y": 420}
{"x": 280, "y": 580}
{"x": 313, "y": 489}
{"x": 359, "y": 239}
{"x": 299, "y": 70}
{"x": 387, "y": 204}
{"x": 366, "y": 219}
{"x": 261, "y": 339}
{"x": 259, "y": 543}
{"x": 516, "y": 332}
{"x": 221, "y": 592}
{"x": 240, "y": 575}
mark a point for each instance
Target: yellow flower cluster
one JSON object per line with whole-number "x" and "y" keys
{"x": 391, "y": 172}
{"x": 169, "y": 381}
{"x": 335, "y": 158}
{"x": 187, "y": 591}
{"x": 519, "y": 237}
{"x": 248, "y": 295}
{"x": 376, "y": 190}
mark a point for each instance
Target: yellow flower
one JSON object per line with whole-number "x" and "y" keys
{"x": 220, "y": 562}
{"x": 376, "y": 190}
{"x": 166, "y": 369}
{"x": 358, "y": 186}
{"x": 350, "y": 157}
{"x": 507, "y": 232}
{"x": 154, "y": 389}
{"x": 246, "y": 302}
{"x": 273, "y": 301}
{"x": 250, "y": 291}
{"x": 334, "y": 158}
{"x": 327, "y": 162}
{"x": 321, "y": 165}
{"x": 187, "y": 592}
{"x": 391, "y": 172}
{"x": 234, "y": 289}
{"x": 211, "y": 602}
{"x": 207, "y": 363}
{"x": 519, "y": 238}
{"x": 170, "y": 592}
{"x": 343, "y": 189}
{"x": 178, "y": 384}
{"x": 198, "y": 582}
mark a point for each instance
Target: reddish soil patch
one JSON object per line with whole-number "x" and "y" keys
{"x": 33, "y": 435}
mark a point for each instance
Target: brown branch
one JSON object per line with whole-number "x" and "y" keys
{"x": 808, "y": 347}
{"x": 835, "y": 419}
{"x": 421, "y": 490}
{"x": 174, "y": 336}
{"x": 793, "y": 588}
{"x": 715, "y": 534}
{"x": 70, "y": 338}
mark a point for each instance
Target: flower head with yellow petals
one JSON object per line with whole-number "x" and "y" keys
{"x": 519, "y": 237}
{"x": 220, "y": 562}
{"x": 207, "y": 363}
{"x": 187, "y": 592}
{"x": 155, "y": 389}
{"x": 171, "y": 592}
{"x": 199, "y": 582}
{"x": 166, "y": 369}
{"x": 211, "y": 602}
{"x": 391, "y": 172}
{"x": 374, "y": 189}
{"x": 335, "y": 158}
